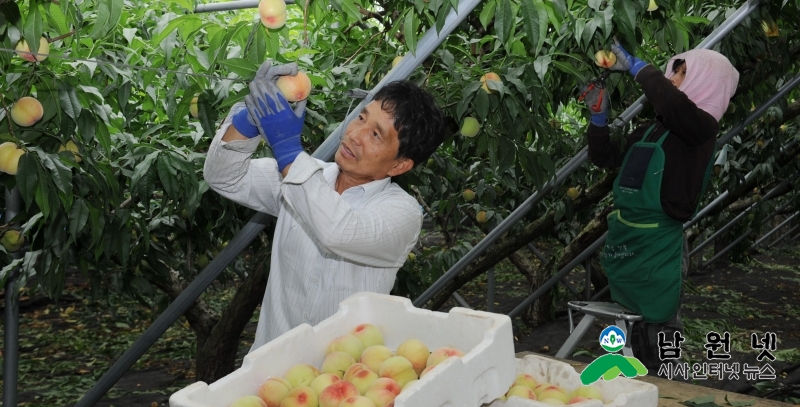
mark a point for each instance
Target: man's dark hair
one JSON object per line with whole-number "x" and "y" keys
{"x": 417, "y": 118}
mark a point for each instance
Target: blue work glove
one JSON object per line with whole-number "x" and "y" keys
{"x": 625, "y": 61}
{"x": 596, "y": 99}
{"x": 274, "y": 117}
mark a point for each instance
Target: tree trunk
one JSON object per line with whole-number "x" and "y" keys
{"x": 507, "y": 245}
{"x": 541, "y": 311}
{"x": 216, "y": 351}
{"x": 218, "y": 336}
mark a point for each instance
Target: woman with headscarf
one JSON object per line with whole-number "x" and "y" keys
{"x": 665, "y": 165}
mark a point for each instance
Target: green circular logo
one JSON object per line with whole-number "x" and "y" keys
{"x": 612, "y": 339}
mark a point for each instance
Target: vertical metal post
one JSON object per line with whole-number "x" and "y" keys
{"x": 11, "y": 327}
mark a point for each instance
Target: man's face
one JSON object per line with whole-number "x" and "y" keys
{"x": 369, "y": 146}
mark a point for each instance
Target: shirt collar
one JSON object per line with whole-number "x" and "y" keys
{"x": 369, "y": 189}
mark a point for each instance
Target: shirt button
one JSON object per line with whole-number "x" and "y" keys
{"x": 314, "y": 279}
{"x": 305, "y": 315}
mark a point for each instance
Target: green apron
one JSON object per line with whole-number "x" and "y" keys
{"x": 643, "y": 251}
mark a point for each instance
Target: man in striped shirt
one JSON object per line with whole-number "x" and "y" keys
{"x": 342, "y": 227}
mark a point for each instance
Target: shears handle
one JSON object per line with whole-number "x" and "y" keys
{"x": 596, "y": 107}
{"x": 599, "y": 82}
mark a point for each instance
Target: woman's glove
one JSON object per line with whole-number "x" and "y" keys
{"x": 625, "y": 61}
{"x": 596, "y": 99}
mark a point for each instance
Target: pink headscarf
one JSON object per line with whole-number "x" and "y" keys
{"x": 710, "y": 80}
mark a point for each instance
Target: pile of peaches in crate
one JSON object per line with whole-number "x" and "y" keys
{"x": 358, "y": 371}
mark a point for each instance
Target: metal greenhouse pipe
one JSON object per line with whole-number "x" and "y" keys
{"x": 777, "y": 228}
{"x": 425, "y": 47}
{"x": 708, "y": 208}
{"x": 565, "y": 171}
{"x": 783, "y": 236}
{"x": 229, "y": 6}
{"x": 736, "y": 220}
{"x": 429, "y": 42}
{"x": 558, "y": 276}
{"x": 786, "y": 88}
{"x": 225, "y": 6}
{"x": 727, "y": 249}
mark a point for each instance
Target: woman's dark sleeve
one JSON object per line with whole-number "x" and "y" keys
{"x": 603, "y": 151}
{"x": 679, "y": 114}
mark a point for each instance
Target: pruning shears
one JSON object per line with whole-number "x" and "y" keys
{"x": 599, "y": 82}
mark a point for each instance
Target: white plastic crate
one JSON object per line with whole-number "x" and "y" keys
{"x": 620, "y": 392}
{"x": 480, "y": 376}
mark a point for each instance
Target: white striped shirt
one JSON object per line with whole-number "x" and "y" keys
{"x": 326, "y": 246}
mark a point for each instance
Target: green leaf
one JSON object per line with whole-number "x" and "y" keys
{"x": 481, "y": 105}
{"x": 410, "y": 32}
{"x": 142, "y": 168}
{"x": 350, "y": 8}
{"x": 242, "y": 67}
{"x": 534, "y": 17}
{"x": 59, "y": 173}
{"x": 168, "y": 176}
{"x": 441, "y": 16}
{"x": 221, "y": 48}
{"x": 487, "y": 14}
{"x": 507, "y": 153}
{"x": 568, "y": 68}
{"x": 187, "y": 4}
{"x": 588, "y": 31}
{"x": 102, "y": 19}
{"x": 504, "y": 21}
{"x": 695, "y": 20}
{"x": 57, "y": 18}
{"x": 10, "y": 10}
{"x": 42, "y": 197}
{"x": 69, "y": 100}
{"x": 98, "y": 223}
{"x": 627, "y": 13}
{"x": 207, "y": 117}
{"x": 32, "y": 30}
{"x": 607, "y": 21}
{"x": 257, "y": 52}
{"x": 103, "y": 137}
{"x": 173, "y": 25}
{"x": 27, "y": 178}
{"x": 540, "y": 65}
{"x": 78, "y": 216}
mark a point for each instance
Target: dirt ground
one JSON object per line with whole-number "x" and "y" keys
{"x": 762, "y": 296}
